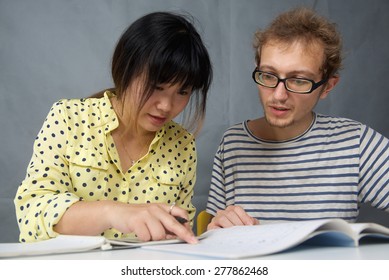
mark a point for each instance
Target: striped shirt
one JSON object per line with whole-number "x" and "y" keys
{"x": 323, "y": 173}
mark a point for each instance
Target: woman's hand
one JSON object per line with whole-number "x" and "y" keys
{"x": 232, "y": 216}
{"x": 151, "y": 221}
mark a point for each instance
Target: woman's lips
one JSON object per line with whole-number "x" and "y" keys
{"x": 157, "y": 120}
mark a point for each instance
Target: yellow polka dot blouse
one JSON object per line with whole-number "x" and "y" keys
{"x": 75, "y": 158}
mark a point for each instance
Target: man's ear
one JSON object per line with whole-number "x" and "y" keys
{"x": 329, "y": 86}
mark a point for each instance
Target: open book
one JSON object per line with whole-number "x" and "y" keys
{"x": 73, "y": 244}
{"x": 228, "y": 243}
{"x": 251, "y": 241}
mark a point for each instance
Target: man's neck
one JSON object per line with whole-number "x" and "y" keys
{"x": 262, "y": 129}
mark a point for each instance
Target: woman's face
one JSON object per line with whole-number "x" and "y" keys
{"x": 166, "y": 102}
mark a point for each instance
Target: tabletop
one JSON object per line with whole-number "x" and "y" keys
{"x": 366, "y": 251}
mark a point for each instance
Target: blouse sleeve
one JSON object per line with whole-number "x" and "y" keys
{"x": 44, "y": 196}
{"x": 184, "y": 199}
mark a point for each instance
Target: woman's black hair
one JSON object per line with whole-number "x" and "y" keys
{"x": 163, "y": 47}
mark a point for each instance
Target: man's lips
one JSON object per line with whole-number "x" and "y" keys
{"x": 279, "y": 110}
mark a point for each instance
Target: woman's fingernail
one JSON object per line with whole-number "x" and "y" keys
{"x": 193, "y": 240}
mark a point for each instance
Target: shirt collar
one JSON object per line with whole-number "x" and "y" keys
{"x": 109, "y": 119}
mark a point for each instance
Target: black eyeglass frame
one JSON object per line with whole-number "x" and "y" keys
{"x": 314, "y": 84}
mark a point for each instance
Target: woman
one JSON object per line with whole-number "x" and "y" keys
{"x": 116, "y": 164}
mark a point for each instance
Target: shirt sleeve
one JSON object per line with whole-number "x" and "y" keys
{"x": 43, "y": 196}
{"x": 217, "y": 191}
{"x": 374, "y": 169}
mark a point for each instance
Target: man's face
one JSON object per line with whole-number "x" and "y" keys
{"x": 282, "y": 108}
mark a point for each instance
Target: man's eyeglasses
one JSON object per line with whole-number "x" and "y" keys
{"x": 297, "y": 85}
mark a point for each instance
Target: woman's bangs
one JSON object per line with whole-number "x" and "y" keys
{"x": 180, "y": 66}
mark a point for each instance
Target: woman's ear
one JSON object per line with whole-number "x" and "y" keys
{"x": 329, "y": 86}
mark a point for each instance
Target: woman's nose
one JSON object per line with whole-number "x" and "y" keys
{"x": 165, "y": 103}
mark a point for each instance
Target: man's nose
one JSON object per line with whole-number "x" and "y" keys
{"x": 280, "y": 91}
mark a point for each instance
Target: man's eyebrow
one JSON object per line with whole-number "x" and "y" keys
{"x": 294, "y": 72}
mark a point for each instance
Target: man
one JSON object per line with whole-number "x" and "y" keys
{"x": 294, "y": 164}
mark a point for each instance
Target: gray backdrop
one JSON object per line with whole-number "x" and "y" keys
{"x": 52, "y": 49}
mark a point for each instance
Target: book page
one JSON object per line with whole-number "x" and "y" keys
{"x": 370, "y": 229}
{"x": 137, "y": 242}
{"x": 60, "y": 244}
{"x": 134, "y": 241}
{"x": 250, "y": 241}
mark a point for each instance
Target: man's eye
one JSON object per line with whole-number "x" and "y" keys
{"x": 300, "y": 82}
{"x": 268, "y": 77}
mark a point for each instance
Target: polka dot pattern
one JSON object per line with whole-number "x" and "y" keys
{"x": 75, "y": 158}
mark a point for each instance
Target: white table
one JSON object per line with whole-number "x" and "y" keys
{"x": 366, "y": 251}
{"x": 368, "y": 261}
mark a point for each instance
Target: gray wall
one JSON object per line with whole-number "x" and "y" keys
{"x": 52, "y": 49}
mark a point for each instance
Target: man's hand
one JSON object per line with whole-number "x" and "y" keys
{"x": 232, "y": 216}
